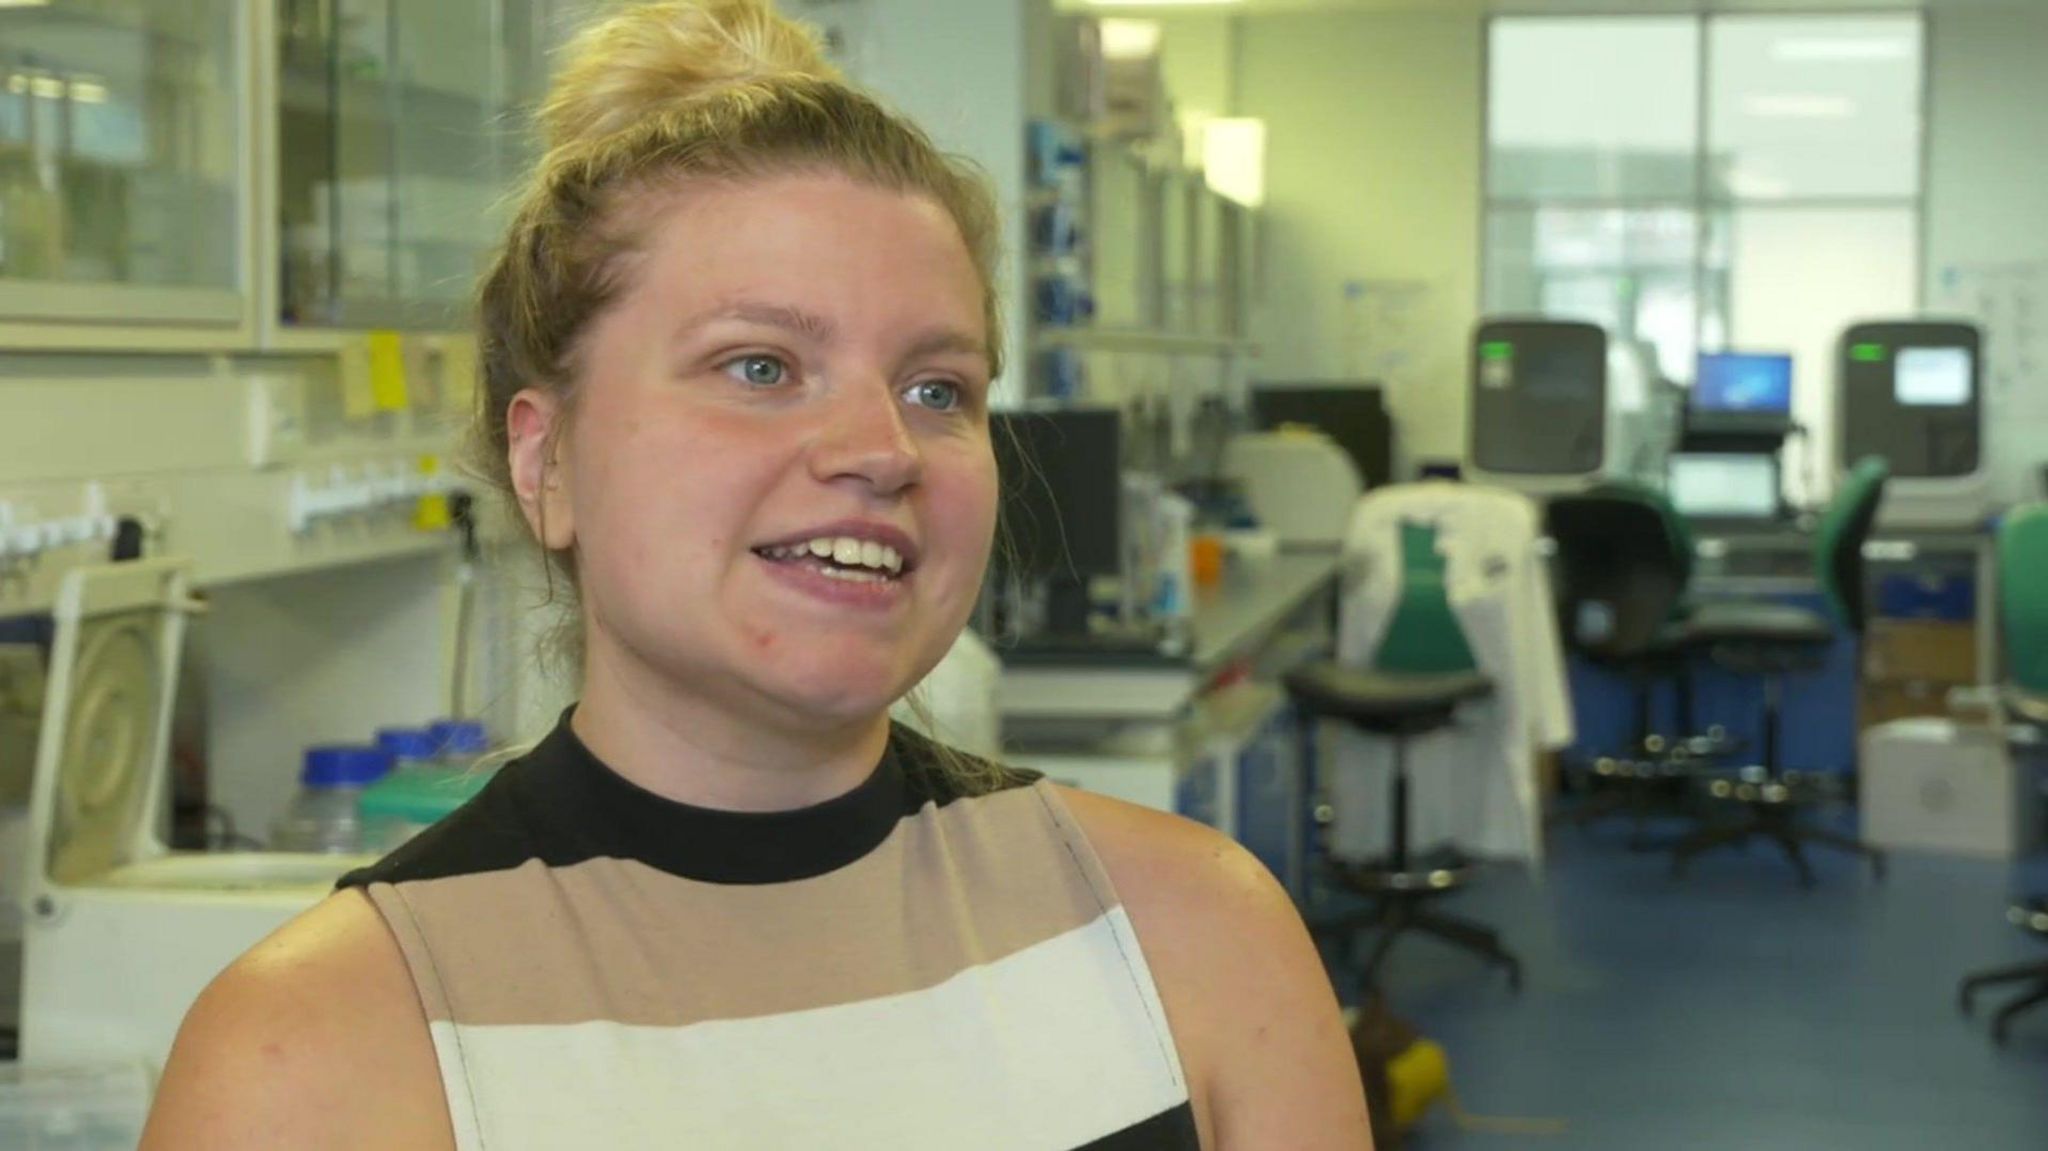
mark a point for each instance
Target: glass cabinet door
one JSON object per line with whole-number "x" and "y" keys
{"x": 120, "y": 160}
{"x": 402, "y": 128}
{"x": 1177, "y": 252}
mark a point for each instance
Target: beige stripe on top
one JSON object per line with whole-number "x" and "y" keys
{"x": 617, "y": 940}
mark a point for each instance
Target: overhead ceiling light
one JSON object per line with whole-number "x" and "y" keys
{"x": 1799, "y": 106}
{"x": 1130, "y": 39}
{"x": 1835, "y": 51}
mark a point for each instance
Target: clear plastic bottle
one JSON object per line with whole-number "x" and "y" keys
{"x": 323, "y": 817}
{"x": 417, "y": 796}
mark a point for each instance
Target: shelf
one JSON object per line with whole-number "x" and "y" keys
{"x": 1139, "y": 340}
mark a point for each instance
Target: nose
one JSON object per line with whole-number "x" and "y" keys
{"x": 866, "y": 438}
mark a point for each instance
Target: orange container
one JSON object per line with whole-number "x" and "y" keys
{"x": 1205, "y": 559}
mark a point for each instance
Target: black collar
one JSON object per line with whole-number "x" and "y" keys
{"x": 616, "y": 817}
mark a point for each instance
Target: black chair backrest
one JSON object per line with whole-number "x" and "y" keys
{"x": 1619, "y": 579}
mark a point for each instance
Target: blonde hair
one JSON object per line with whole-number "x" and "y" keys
{"x": 649, "y": 101}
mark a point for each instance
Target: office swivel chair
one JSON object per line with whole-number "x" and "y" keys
{"x": 1624, "y": 560}
{"x": 1772, "y": 641}
{"x": 1421, "y": 673}
{"x": 2023, "y": 610}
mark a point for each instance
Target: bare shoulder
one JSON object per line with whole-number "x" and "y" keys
{"x": 1253, "y": 1014}
{"x": 287, "y": 1044}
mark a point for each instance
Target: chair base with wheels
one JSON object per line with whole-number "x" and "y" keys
{"x": 1653, "y": 776}
{"x": 2032, "y": 977}
{"x": 1624, "y": 557}
{"x": 1399, "y": 707}
{"x": 1770, "y": 641}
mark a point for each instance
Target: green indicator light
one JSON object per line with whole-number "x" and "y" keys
{"x": 1867, "y": 353}
{"x": 1497, "y": 350}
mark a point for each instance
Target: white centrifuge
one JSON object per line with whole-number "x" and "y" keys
{"x": 120, "y": 934}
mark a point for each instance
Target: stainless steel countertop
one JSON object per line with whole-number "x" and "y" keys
{"x": 1238, "y": 614}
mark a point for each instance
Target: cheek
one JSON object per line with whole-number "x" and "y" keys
{"x": 667, "y": 476}
{"x": 964, "y": 503}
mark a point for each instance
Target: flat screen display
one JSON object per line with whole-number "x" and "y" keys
{"x": 1723, "y": 486}
{"x": 1931, "y": 377}
{"x": 1743, "y": 382}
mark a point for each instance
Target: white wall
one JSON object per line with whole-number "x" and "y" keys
{"x": 321, "y": 657}
{"x": 1799, "y": 279}
{"x": 1987, "y": 192}
{"x": 1200, "y": 61}
{"x": 1373, "y": 174}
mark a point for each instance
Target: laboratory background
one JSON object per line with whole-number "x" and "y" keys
{"x": 1565, "y": 484}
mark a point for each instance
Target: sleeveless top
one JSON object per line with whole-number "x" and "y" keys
{"x": 903, "y": 968}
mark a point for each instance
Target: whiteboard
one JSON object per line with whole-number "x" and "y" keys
{"x": 2009, "y": 301}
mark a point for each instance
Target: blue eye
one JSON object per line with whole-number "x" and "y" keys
{"x": 938, "y": 395}
{"x": 760, "y": 371}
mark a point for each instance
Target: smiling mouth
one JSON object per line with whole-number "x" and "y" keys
{"x": 841, "y": 558}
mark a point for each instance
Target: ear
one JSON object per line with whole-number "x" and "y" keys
{"x": 536, "y": 434}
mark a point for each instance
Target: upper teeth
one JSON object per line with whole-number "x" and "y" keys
{"x": 845, "y": 551}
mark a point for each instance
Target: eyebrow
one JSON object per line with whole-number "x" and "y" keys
{"x": 943, "y": 341}
{"x": 947, "y": 342}
{"x": 767, "y": 315}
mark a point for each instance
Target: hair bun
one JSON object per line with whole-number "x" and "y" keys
{"x": 652, "y": 58}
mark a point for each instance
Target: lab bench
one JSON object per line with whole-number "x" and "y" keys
{"x": 1206, "y": 734}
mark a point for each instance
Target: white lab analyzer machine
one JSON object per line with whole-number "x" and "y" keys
{"x": 120, "y": 933}
{"x": 1913, "y": 393}
{"x": 1540, "y": 405}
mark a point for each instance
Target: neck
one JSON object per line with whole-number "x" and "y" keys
{"x": 686, "y": 747}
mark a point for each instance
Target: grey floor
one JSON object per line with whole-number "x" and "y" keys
{"x": 1732, "y": 1010}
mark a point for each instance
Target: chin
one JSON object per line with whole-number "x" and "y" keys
{"x": 840, "y": 691}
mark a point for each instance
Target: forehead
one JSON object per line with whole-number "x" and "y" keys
{"x": 821, "y": 241}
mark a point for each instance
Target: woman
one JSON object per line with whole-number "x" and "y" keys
{"x": 737, "y": 356}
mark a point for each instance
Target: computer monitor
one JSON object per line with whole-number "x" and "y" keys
{"x": 1743, "y": 383}
{"x": 1723, "y": 485}
{"x": 1062, "y": 492}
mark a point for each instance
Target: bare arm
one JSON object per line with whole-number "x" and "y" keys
{"x": 313, "y": 1040}
{"x": 1259, "y": 1030}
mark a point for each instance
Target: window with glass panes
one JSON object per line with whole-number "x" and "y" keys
{"x": 1709, "y": 183}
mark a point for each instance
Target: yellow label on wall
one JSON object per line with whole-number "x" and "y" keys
{"x": 387, "y": 372}
{"x": 458, "y": 374}
{"x": 358, "y": 398}
{"x": 431, "y": 513}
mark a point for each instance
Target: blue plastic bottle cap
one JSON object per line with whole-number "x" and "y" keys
{"x": 460, "y": 737}
{"x": 409, "y": 742}
{"x": 344, "y": 766}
